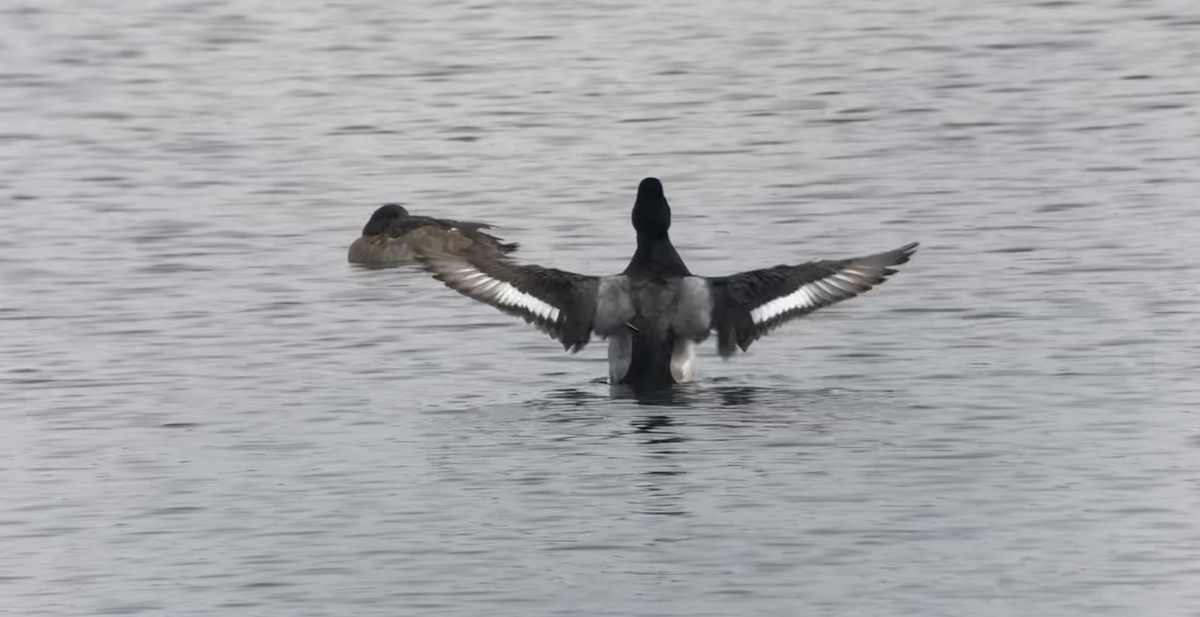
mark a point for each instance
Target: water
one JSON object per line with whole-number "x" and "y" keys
{"x": 206, "y": 411}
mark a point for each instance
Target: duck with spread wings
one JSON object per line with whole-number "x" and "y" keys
{"x": 656, "y": 312}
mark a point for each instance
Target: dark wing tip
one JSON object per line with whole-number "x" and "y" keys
{"x": 889, "y": 258}
{"x": 908, "y": 250}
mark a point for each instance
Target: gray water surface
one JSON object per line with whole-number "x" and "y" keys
{"x": 206, "y": 411}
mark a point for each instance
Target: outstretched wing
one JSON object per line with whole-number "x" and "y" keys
{"x": 561, "y": 304}
{"x": 748, "y": 305}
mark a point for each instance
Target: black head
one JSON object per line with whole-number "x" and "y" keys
{"x": 651, "y": 214}
{"x": 382, "y": 218}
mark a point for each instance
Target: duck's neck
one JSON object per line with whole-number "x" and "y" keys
{"x": 655, "y": 254}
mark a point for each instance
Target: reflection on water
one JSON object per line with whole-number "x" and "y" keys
{"x": 656, "y": 425}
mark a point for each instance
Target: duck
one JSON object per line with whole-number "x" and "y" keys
{"x": 391, "y": 233}
{"x": 656, "y": 312}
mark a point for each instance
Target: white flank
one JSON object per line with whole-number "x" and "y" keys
{"x": 620, "y": 355}
{"x": 683, "y": 361}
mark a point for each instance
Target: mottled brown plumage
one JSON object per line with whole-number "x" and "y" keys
{"x": 392, "y": 233}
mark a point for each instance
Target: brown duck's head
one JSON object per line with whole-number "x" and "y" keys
{"x": 382, "y": 218}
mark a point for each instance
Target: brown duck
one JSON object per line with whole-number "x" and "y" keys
{"x": 391, "y": 234}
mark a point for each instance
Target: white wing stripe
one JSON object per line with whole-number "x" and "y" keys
{"x": 828, "y": 289}
{"x": 503, "y": 293}
{"x": 530, "y": 303}
{"x": 811, "y": 296}
{"x": 505, "y": 296}
{"x": 843, "y": 283}
{"x": 489, "y": 287}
